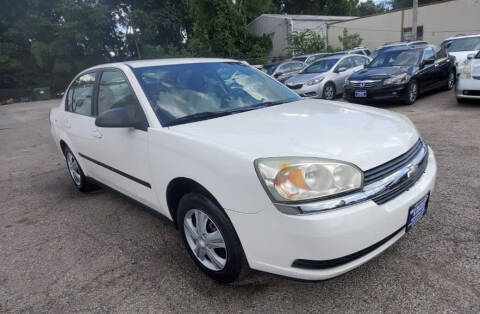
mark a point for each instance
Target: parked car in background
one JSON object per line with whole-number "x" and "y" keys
{"x": 401, "y": 74}
{"x": 325, "y": 77}
{"x": 284, "y": 68}
{"x": 310, "y": 58}
{"x": 250, "y": 174}
{"x": 397, "y": 44}
{"x": 360, "y": 51}
{"x": 270, "y": 68}
{"x": 468, "y": 81}
{"x": 460, "y": 47}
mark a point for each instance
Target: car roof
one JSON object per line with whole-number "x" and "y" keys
{"x": 159, "y": 62}
{"x": 462, "y": 36}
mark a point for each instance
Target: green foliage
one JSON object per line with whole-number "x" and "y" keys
{"x": 400, "y": 4}
{"x": 304, "y": 42}
{"x": 349, "y": 41}
{"x": 329, "y": 7}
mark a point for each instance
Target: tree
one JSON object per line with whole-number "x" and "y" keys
{"x": 368, "y": 8}
{"x": 304, "y": 42}
{"x": 349, "y": 41}
{"x": 401, "y": 4}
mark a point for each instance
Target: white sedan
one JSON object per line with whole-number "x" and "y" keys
{"x": 252, "y": 176}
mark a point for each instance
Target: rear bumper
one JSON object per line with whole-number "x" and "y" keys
{"x": 275, "y": 242}
{"x": 376, "y": 94}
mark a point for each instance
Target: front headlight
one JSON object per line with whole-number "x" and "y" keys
{"x": 397, "y": 79}
{"x": 466, "y": 72}
{"x": 288, "y": 179}
{"x": 314, "y": 81}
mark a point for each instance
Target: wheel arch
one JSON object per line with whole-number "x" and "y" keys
{"x": 180, "y": 186}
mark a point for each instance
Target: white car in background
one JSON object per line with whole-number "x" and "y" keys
{"x": 460, "y": 47}
{"x": 252, "y": 175}
{"x": 325, "y": 78}
{"x": 468, "y": 82}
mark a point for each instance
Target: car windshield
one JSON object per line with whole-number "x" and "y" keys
{"x": 320, "y": 66}
{"x": 396, "y": 58}
{"x": 198, "y": 89}
{"x": 463, "y": 44}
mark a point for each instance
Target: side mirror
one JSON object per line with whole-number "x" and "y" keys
{"x": 470, "y": 56}
{"x": 427, "y": 62}
{"x": 118, "y": 118}
{"x": 278, "y": 74}
{"x": 341, "y": 69}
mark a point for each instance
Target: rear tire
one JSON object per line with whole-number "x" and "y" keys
{"x": 211, "y": 239}
{"x": 329, "y": 91}
{"x": 412, "y": 93}
{"x": 76, "y": 173}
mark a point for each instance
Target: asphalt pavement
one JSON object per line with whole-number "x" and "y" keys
{"x": 62, "y": 251}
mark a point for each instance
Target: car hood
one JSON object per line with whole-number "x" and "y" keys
{"x": 301, "y": 78}
{"x": 364, "y": 136}
{"x": 461, "y": 56}
{"x": 377, "y": 73}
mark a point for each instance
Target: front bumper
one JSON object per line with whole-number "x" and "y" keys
{"x": 309, "y": 91}
{"x": 378, "y": 93}
{"x": 467, "y": 88}
{"x": 273, "y": 241}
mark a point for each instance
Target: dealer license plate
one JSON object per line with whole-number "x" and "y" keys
{"x": 417, "y": 211}
{"x": 360, "y": 93}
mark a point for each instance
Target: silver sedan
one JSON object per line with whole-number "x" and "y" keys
{"x": 325, "y": 78}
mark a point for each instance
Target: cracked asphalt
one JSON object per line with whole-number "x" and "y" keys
{"x": 62, "y": 251}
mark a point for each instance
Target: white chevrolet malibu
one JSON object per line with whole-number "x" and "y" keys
{"x": 252, "y": 176}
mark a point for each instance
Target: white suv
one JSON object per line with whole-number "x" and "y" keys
{"x": 460, "y": 47}
{"x": 252, "y": 176}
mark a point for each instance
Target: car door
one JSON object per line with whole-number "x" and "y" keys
{"x": 344, "y": 69}
{"x": 78, "y": 121}
{"x": 442, "y": 66}
{"x": 119, "y": 156}
{"x": 427, "y": 71}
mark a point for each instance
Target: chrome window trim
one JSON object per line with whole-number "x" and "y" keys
{"x": 367, "y": 193}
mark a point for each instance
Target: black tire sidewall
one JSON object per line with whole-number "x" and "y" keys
{"x": 236, "y": 262}
{"x": 325, "y": 88}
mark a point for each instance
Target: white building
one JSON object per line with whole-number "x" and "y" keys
{"x": 280, "y": 26}
{"x": 436, "y": 22}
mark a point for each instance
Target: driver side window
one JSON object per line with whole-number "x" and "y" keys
{"x": 345, "y": 63}
{"x": 114, "y": 92}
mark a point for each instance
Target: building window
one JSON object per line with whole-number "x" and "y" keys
{"x": 407, "y": 33}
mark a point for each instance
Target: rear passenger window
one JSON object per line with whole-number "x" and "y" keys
{"x": 114, "y": 92}
{"x": 79, "y": 96}
{"x": 360, "y": 61}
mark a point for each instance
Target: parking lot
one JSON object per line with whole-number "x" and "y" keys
{"x": 64, "y": 251}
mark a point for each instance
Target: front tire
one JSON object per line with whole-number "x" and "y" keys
{"x": 210, "y": 238}
{"x": 412, "y": 92}
{"x": 329, "y": 91}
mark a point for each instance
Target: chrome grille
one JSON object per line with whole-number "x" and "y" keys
{"x": 365, "y": 84}
{"x": 413, "y": 164}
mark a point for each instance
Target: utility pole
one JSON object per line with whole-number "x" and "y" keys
{"x": 414, "y": 19}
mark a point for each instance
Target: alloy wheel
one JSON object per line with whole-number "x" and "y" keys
{"x": 451, "y": 80}
{"x": 413, "y": 91}
{"x": 329, "y": 92}
{"x": 74, "y": 169}
{"x": 205, "y": 240}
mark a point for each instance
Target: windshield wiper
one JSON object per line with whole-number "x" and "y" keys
{"x": 197, "y": 117}
{"x": 275, "y": 103}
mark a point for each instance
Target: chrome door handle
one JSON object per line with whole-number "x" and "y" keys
{"x": 96, "y": 133}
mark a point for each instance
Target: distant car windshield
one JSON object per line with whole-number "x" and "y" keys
{"x": 396, "y": 58}
{"x": 270, "y": 68}
{"x": 463, "y": 44}
{"x": 320, "y": 66}
{"x": 301, "y": 59}
{"x": 182, "y": 90}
